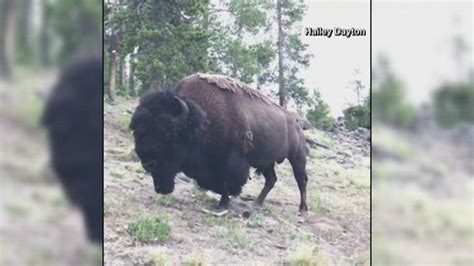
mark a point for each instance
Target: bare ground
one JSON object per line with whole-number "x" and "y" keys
{"x": 334, "y": 231}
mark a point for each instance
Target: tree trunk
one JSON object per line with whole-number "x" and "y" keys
{"x": 155, "y": 83}
{"x": 131, "y": 77}
{"x": 112, "y": 68}
{"x": 123, "y": 76}
{"x": 44, "y": 55}
{"x": 7, "y": 38}
{"x": 121, "y": 62}
{"x": 25, "y": 41}
{"x": 281, "y": 78}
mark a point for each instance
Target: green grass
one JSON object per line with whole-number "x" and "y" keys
{"x": 107, "y": 204}
{"x": 320, "y": 136}
{"x": 194, "y": 259}
{"x": 26, "y": 106}
{"x": 212, "y": 220}
{"x": 147, "y": 229}
{"x": 256, "y": 220}
{"x": 93, "y": 256}
{"x": 361, "y": 259}
{"x": 121, "y": 117}
{"x": 229, "y": 231}
{"x": 121, "y": 121}
{"x": 393, "y": 143}
{"x": 28, "y": 113}
{"x": 116, "y": 174}
{"x": 266, "y": 211}
{"x": 132, "y": 167}
{"x": 16, "y": 208}
{"x": 382, "y": 253}
{"x": 156, "y": 257}
{"x": 300, "y": 237}
{"x": 232, "y": 236}
{"x": 359, "y": 178}
{"x": 316, "y": 204}
{"x": 289, "y": 217}
{"x": 166, "y": 200}
{"x": 107, "y": 209}
{"x": 308, "y": 255}
{"x": 200, "y": 195}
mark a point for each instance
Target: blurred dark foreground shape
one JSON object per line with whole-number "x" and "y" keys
{"x": 73, "y": 118}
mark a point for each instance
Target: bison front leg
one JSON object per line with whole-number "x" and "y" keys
{"x": 270, "y": 180}
{"x": 223, "y": 202}
{"x": 223, "y": 191}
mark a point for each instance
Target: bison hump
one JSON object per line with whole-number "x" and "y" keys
{"x": 232, "y": 85}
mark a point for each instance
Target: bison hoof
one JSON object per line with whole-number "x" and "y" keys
{"x": 221, "y": 207}
{"x": 303, "y": 208}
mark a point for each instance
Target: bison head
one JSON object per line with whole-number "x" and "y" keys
{"x": 165, "y": 128}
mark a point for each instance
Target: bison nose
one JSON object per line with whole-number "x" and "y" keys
{"x": 149, "y": 165}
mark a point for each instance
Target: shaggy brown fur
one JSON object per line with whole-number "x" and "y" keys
{"x": 230, "y": 84}
{"x": 242, "y": 129}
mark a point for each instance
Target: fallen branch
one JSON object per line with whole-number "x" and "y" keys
{"x": 313, "y": 143}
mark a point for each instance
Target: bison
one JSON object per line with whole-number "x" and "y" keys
{"x": 73, "y": 119}
{"x": 213, "y": 129}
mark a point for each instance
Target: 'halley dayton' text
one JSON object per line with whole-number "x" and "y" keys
{"x": 319, "y": 31}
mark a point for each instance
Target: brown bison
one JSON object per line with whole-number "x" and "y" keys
{"x": 213, "y": 129}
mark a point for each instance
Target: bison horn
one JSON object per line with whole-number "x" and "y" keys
{"x": 184, "y": 109}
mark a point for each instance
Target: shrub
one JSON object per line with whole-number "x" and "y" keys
{"x": 319, "y": 114}
{"x": 389, "y": 105}
{"x": 405, "y": 116}
{"x": 357, "y": 116}
{"x": 454, "y": 103}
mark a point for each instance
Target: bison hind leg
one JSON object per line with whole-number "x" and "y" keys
{"x": 299, "y": 169}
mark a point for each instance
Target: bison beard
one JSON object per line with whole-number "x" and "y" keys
{"x": 73, "y": 118}
{"x": 214, "y": 134}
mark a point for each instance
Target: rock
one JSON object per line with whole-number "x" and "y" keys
{"x": 363, "y": 133}
{"x": 339, "y": 126}
{"x": 463, "y": 133}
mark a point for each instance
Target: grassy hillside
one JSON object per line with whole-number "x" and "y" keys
{"x": 144, "y": 227}
{"x": 422, "y": 199}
